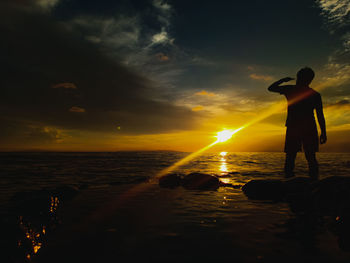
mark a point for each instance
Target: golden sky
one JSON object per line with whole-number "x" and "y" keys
{"x": 109, "y": 77}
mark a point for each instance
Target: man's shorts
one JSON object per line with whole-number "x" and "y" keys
{"x": 301, "y": 136}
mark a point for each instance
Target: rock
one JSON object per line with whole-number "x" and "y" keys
{"x": 170, "y": 181}
{"x": 264, "y": 190}
{"x": 331, "y": 195}
{"x": 297, "y": 185}
{"x": 200, "y": 181}
{"x": 297, "y": 193}
{"x": 310, "y": 201}
{"x": 196, "y": 181}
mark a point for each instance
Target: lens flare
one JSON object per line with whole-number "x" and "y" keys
{"x": 224, "y": 135}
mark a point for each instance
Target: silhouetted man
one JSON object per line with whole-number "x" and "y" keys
{"x": 301, "y": 124}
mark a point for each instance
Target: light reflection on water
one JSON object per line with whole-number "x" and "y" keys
{"x": 240, "y": 168}
{"x": 223, "y": 164}
{"x": 34, "y": 229}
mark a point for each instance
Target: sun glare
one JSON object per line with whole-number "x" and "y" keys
{"x": 225, "y": 135}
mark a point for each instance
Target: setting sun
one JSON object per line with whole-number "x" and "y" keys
{"x": 225, "y": 135}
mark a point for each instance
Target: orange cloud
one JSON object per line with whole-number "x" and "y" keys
{"x": 76, "y": 109}
{"x": 162, "y": 57}
{"x": 260, "y": 77}
{"x": 65, "y": 85}
{"x": 197, "y": 108}
{"x": 205, "y": 93}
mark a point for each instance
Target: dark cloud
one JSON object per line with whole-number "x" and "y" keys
{"x": 339, "y": 103}
{"x": 336, "y": 91}
{"x": 38, "y": 53}
{"x": 343, "y": 102}
{"x": 26, "y": 133}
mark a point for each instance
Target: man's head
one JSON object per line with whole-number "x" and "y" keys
{"x": 305, "y": 76}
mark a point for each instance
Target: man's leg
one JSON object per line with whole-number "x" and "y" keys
{"x": 289, "y": 164}
{"x": 313, "y": 164}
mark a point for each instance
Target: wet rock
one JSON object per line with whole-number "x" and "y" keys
{"x": 297, "y": 185}
{"x": 277, "y": 190}
{"x": 201, "y": 181}
{"x": 194, "y": 181}
{"x": 170, "y": 181}
{"x": 264, "y": 190}
{"x": 331, "y": 196}
{"x": 313, "y": 202}
{"x": 297, "y": 193}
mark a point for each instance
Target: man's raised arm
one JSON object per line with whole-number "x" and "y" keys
{"x": 275, "y": 87}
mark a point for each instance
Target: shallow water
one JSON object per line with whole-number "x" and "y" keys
{"x": 30, "y": 171}
{"x": 117, "y": 210}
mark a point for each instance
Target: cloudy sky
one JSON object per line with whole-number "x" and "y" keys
{"x": 84, "y": 75}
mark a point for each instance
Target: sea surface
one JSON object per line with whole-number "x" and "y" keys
{"x": 118, "y": 211}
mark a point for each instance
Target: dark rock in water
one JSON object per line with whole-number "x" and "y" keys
{"x": 331, "y": 196}
{"x": 274, "y": 189}
{"x": 194, "y": 181}
{"x": 264, "y": 190}
{"x": 310, "y": 201}
{"x": 170, "y": 181}
{"x": 297, "y": 193}
{"x": 297, "y": 185}
{"x": 201, "y": 181}
{"x": 328, "y": 196}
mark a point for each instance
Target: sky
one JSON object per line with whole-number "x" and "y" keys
{"x": 83, "y": 75}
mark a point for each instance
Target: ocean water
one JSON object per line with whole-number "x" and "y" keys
{"x": 118, "y": 204}
{"x": 34, "y": 171}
